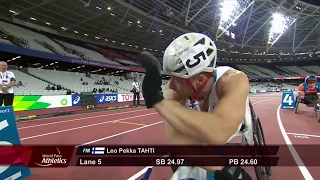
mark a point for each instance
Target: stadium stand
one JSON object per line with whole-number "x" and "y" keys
{"x": 115, "y": 56}
{"x": 253, "y": 71}
{"x": 15, "y": 35}
{"x": 29, "y": 38}
{"x": 313, "y": 69}
{"x": 78, "y": 82}
{"x": 271, "y": 86}
{"x": 18, "y": 36}
{"x": 298, "y": 70}
{"x": 88, "y": 54}
{"x": 37, "y": 81}
{"x": 32, "y": 86}
{"x": 265, "y": 71}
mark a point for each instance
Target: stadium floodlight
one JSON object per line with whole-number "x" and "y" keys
{"x": 231, "y": 10}
{"x": 279, "y": 24}
{"x": 227, "y": 9}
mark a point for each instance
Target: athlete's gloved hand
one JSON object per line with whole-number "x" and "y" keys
{"x": 231, "y": 173}
{"x": 151, "y": 85}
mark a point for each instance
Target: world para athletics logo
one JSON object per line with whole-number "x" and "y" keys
{"x": 50, "y": 159}
{"x": 51, "y": 156}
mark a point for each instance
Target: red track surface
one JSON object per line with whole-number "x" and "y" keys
{"x": 144, "y": 126}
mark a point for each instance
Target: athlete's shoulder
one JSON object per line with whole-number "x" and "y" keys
{"x": 235, "y": 74}
{"x": 234, "y": 80}
{"x": 301, "y": 87}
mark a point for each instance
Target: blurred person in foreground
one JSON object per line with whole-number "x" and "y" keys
{"x": 7, "y": 82}
{"x": 201, "y": 104}
{"x": 136, "y": 92}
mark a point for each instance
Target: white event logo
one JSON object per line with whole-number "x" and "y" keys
{"x": 76, "y": 100}
{"x": 111, "y": 98}
{"x": 50, "y": 159}
{"x": 102, "y": 98}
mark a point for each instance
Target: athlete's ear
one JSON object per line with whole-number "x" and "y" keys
{"x": 201, "y": 79}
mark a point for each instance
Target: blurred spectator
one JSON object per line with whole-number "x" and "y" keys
{"x": 48, "y": 87}
{"x": 68, "y": 92}
{"x": 136, "y": 92}
{"x": 7, "y": 83}
{"x": 19, "y": 84}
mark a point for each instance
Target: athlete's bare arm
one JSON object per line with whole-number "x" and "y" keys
{"x": 216, "y": 127}
{"x": 301, "y": 93}
{"x": 175, "y": 136}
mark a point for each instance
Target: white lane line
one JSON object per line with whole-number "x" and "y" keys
{"x": 81, "y": 127}
{"x": 124, "y": 132}
{"x": 140, "y": 173}
{"x": 304, "y": 171}
{"x": 70, "y": 115}
{"x": 264, "y": 101}
{"x": 78, "y": 119}
{"x": 310, "y": 135}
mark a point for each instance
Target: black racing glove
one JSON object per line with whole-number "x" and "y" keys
{"x": 231, "y": 173}
{"x": 151, "y": 85}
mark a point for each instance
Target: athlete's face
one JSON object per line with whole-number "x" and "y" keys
{"x": 180, "y": 86}
{"x": 312, "y": 84}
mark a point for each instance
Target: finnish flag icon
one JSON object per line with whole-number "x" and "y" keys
{"x": 98, "y": 150}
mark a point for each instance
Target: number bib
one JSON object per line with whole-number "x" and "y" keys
{"x": 195, "y": 59}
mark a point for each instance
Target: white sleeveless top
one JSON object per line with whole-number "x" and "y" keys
{"x": 213, "y": 100}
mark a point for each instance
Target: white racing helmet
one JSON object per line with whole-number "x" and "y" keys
{"x": 189, "y": 55}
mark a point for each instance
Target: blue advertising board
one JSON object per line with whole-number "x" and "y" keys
{"x": 100, "y": 99}
{"x": 106, "y": 98}
{"x": 75, "y": 99}
{"x": 9, "y": 136}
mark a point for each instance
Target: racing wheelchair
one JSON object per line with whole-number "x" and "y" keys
{"x": 262, "y": 172}
{"x": 310, "y": 100}
{"x": 251, "y": 133}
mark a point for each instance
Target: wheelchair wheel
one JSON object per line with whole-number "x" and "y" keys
{"x": 262, "y": 172}
{"x": 296, "y": 104}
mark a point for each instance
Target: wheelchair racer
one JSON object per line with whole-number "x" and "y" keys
{"x": 220, "y": 93}
{"x": 311, "y": 86}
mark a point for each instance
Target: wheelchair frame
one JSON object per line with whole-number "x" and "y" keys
{"x": 296, "y": 106}
{"x": 262, "y": 172}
